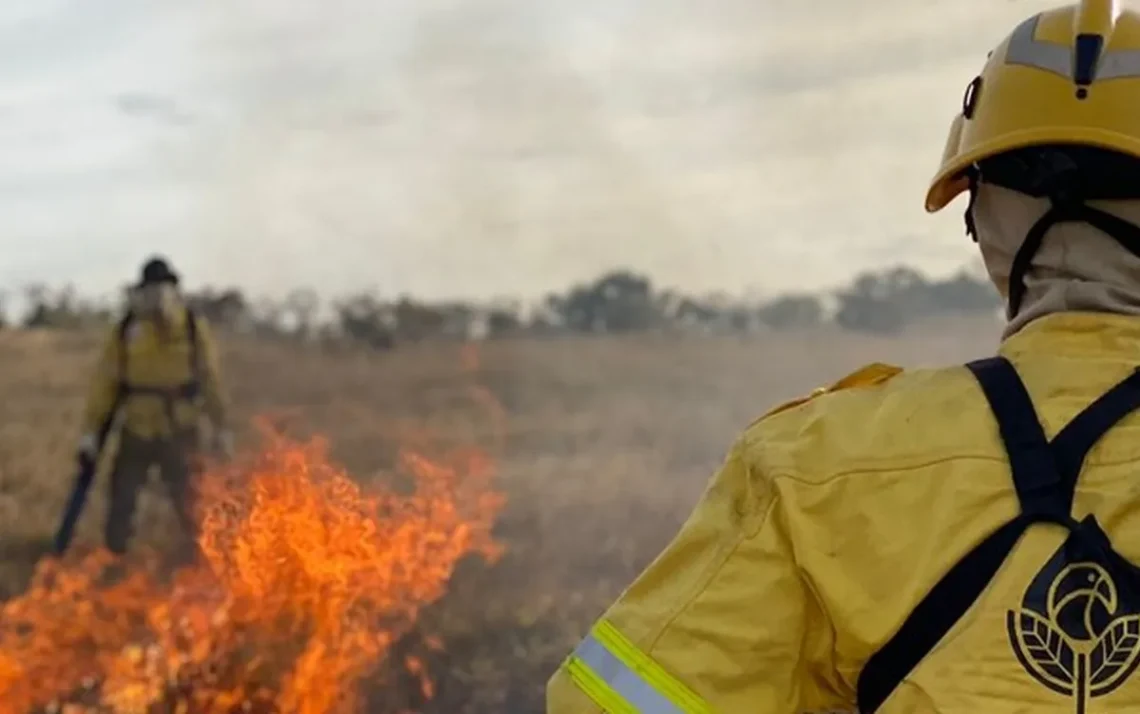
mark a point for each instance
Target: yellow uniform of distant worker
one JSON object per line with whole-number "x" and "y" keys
{"x": 159, "y": 377}
{"x": 952, "y": 541}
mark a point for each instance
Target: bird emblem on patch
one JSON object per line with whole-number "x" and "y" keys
{"x": 1077, "y": 631}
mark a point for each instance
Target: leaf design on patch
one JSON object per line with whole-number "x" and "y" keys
{"x": 1115, "y": 655}
{"x": 1046, "y": 650}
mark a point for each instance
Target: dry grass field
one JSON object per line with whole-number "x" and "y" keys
{"x": 600, "y": 447}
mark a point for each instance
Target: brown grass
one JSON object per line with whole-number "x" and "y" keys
{"x": 608, "y": 442}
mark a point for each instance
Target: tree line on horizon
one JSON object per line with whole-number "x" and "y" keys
{"x": 619, "y": 301}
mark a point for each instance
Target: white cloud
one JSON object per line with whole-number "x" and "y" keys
{"x": 480, "y": 146}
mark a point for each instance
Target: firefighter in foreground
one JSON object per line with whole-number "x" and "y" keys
{"x": 158, "y": 377}
{"x": 954, "y": 540}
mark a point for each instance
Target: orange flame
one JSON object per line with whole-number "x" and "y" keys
{"x": 306, "y": 581}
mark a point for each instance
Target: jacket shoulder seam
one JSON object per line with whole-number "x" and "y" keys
{"x": 786, "y": 474}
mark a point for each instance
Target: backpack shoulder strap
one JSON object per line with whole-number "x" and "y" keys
{"x": 953, "y": 595}
{"x": 121, "y": 335}
{"x": 1036, "y": 477}
{"x": 1044, "y": 476}
{"x": 1077, "y": 438}
{"x": 192, "y": 338}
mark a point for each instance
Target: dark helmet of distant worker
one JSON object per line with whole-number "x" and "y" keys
{"x": 157, "y": 271}
{"x": 1054, "y": 115}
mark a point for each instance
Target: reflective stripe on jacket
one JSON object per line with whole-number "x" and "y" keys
{"x": 831, "y": 519}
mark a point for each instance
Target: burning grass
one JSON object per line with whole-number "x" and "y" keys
{"x": 306, "y": 580}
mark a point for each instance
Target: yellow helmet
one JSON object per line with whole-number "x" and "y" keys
{"x": 1068, "y": 76}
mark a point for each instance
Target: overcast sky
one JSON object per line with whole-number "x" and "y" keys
{"x": 480, "y": 147}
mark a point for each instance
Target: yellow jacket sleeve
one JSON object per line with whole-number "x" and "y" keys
{"x": 214, "y": 393}
{"x": 104, "y": 385}
{"x": 721, "y": 622}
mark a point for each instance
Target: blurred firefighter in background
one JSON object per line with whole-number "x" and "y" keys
{"x": 159, "y": 377}
{"x": 951, "y": 540}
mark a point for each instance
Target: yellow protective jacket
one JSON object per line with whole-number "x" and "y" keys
{"x": 834, "y": 516}
{"x": 150, "y": 379}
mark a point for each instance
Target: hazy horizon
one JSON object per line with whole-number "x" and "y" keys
{"x": 483, "y": 147}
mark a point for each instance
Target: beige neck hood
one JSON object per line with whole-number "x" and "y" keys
{"x": 1077, "y": 269}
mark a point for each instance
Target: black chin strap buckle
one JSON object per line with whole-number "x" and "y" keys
{"x": 1068, "y": 206}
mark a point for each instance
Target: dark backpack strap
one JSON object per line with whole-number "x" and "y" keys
{"x": 1074, "y": 442}
{"x": 1034, "y": 475}
{"x": 936, "y": 615}
{"x": 187, "y": 390}
{"x": 121, "y": 336}
{"x": 195, "y": 357}
{"x": 1045, "y": 480}
{"x": 120, "y": 380}
{"x": 1034, "y": 470}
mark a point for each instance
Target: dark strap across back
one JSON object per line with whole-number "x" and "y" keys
{"x": 187, "y": 390}
{"x": 1045, "y": 478}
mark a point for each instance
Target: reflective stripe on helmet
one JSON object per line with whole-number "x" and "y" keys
{"x": 621, "y": 679}
{"x": 1024, "y": 49}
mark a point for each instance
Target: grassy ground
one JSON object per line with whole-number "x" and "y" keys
{"x": 604, "y": 447}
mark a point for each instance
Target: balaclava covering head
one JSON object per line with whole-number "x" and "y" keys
{"x": 1077, "y": 267}
{"x": 1059, "y": 229}
{"x": 156, "y": 297}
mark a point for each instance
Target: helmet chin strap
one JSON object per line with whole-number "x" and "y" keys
{"x": 971, "y": 225}
{"x": 1063, "y": 210}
